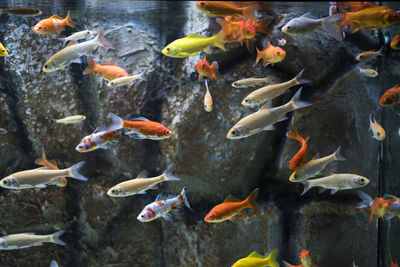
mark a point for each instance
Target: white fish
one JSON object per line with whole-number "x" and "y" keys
{"x": 369, "y": 55}
{"x": 263, "y": 119}
{"x": 377, "y": 130}
{"x": 86, "y": 34}
{"x": 336, "y": 182}
{"x": 26, "y": 240}
{"x": 71, "y": 119}
{"x": 208, "y": 102}
{"x": 125, "y": 80}
{"x": 282, "y": 42}
{"x": 251, "y": 82}
{"x": 53, "y": 263}
{"x": 371, "y": 73}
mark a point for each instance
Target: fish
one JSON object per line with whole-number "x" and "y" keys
{"x": 193, "y": 44}
{"x": 204, "y": 69}
{"x": 98, "y": 139}
{"x": 52, "y": 165}
{"x": 252, "y": 82}
{"x": 140, "y": 128}
{"x": 3, "y": 131}
{"x": 109, "y": 70}
{"x": 392, "y": 264}
{"x": 263, "y": 119}
{"x": 369, "y": 55}
{"x": 141, "y": 184}
{"x": 395, "y": 43}
{"x": 299, "y": 159}
{"x": 232, "y": 207}
{"x": 124, "y": 80}
{"x": 22, "y": 11}
{"x": 86, "y": 34}
{"x": 375, "y": 17}
{"x": 53, "y": 263}
{"x": 208, "y": 102}
{"x": 226, "y": 8}
{"x": 26, "y": 240}
{"x": 270, "y": 55}
{"x": 40, "y": 177}
{"x": 71, "y": 119}
{"x": 268, "y": 92}
{"x": 308, "y": 23}
{"x": 240, "y": 30}
{"x": 371, "y": 73}
{"x": 71, "y": 53}
{"x": 257, "y": 260}
{"x": 356, "y": 6}
{"x": 336, "y": 182}
{"x": 282, "y": 42}
{"x": 377, "y": 130}
{"x": 53, "y": 24}
{"x": 3, "y": 50}
{"x": 390, "y": 97}
{"x": 162, "y": 206}
{"x": 315, "y": 166}
{"x": 305, "y": 260}
{"x": 394, "y": 208}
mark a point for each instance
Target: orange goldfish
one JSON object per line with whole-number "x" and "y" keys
{"x": 270, "y": 55}
{"x": 356, "y": 6}
{"x": 231, "y": 207}
{"x": 395, "y": 43}
{"x": 225, "y": 8}
{"x": 240, "y": 30}
{"x": 305, "y": 260}
{"x": 392, "y": 264}
{"x": 52, "y": 165}
{"x": 299, "y": 159}
{"x": 140, "y": 128}
{"x": 390, "y": 97}
{"x": 108, "y": 70}
{"x": 375, "y": 17}
{"x": 53, "y": 24}
{"x": 206, "y": 70}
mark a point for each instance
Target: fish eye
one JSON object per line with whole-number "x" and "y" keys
{"x": 235, "y": 84}
{"x": 40, "y": 28}
{"x": 113, "y": 191}
{"x": 142, "y": 216}
{"x": 387, "y": 101}
{"x": 378, "y": 134}
{"x": 167, "y": 132}
{"x": 202, "y": 3}
{"x": 3, "y": 51}
{"x": 288, "y": 27}
{"x": 295, "y": 176}
{"x": 88, "y": 32}
{"x": 5, "y": 182}
{"x": 168, "y": 49}
{"x": 278, "y": 53}
{"x": 204, "y": 65}
{"x": 246, "y": 100}
{"x": 362, "y": 180}
{"x": 234, "y": 132}
{"x": 210, "y": 217}
{"x": 45, "y": 66}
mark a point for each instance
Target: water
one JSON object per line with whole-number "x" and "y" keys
{"x": 101, "y": 230}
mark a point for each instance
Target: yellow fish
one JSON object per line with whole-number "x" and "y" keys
{"x": 257, "y": 260}
{"x": 192, "y": 44}
{"x": 377, "y": 130}
{"x": 3, "y": 51}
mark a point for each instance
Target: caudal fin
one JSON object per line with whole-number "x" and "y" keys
{"x": 306, "y": 186}
{"x": 251, "y": 200}
{"x": 294, "y": 134}
{"x": 74, "y": 171}
{"x": 225, "y": 27}
{"x": 337, "y": 154}
{"x": 100, "y": 40}
{"x": 271, "y": 259}
{"x": 300, "y": 80}
{"x": 55, "y": 238}
{"x": 92, "y": 65}
{"x": 297, "y": 103}
{"x": 247, "y": 11}
{"x": 117, "y": 122}
{"x": 184, "y": 198}
{"x": 53, "y": 263}
{"x": 219, "y": 41}
{"x": 214, "y": 70}
{"x": 329, "y": 27}
{"x": 366, "y": 200}
{"x": 68, "y": 21}
{"x": 168, "y": 175}
{"x": 142, "y": 76}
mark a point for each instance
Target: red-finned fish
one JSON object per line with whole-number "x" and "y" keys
{"x": 140, "y": 128}
{"x": 239, "y": 30}
{"x": 270, "y": 55}
{"x": 98, "y": 139}
{"x": 391, "y": 96}
{"x": 356, "y": 6}
{"x": 53, "y": 24}
{"x": 52, "y": 165}
{"x": 305, "y": 260}
{"x": 108, "y": 70}
{"x": 392, "y": 264}
{"x": 206, "y": 70}
{"x": 299, "y": 159}
{"x": 375, "y": 17}
{"x": 225, "y": 8}
{"x": 231, "y": 207}
{"x": 395, "y": 43}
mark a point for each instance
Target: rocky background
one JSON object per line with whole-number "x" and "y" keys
{"x": 104, "y": 231}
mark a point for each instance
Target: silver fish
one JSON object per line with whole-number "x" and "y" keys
{"x": 86, "y": 34}
{"x": 26, "y": 240}
{"x": 371, "y": 73}
{"x": 53, "y": 263}
{"x": 251, "y": 82}
{"x": 126, "y": 80}
{"x": 71, "y": 119}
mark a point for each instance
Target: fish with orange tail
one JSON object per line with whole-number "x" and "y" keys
{"x": 270, "y": 55}
{"x": 390, "y": 97}
{"x": 356, "y": 6}
{"x": 109, "y": 70}
{"x": 395, "y": 43}
{"x": 305, "y": 260}
{"x": 206, "y": 70}
{"x": 51, "y": 165}
{"x": 239, "y": 30}
{"x": 392, "y": 264}
{"x": 53, "y": 24}
{"x": 226, "y": 8}
{"x": 375, "y": 17}
{"x": 232, "y": 207}
{"x": 299, "y": 159}
{"x": 98, "y": 139}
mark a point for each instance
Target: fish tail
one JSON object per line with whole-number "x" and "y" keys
{"x": 92, "y": 66}
{"x": 329, "y": 27}
{"x": 271, "y": 259}
{"x": 117, "y": 122}
{"x": 297, "y": 103}
{"x": 55, "y": 238}
{"x": 251, "y": 200}
{"x": 100, "y": 40}
{"x": 337, "y": 154}
{"x": 306, "y": 186}
{"x": 142, "y": 76}
{"x": 168, "y": 175}
{"x": 247, "y": 11}
{"x": 294, "y": 134}
{"x": 219, "y": 41}
{"x": 344, "y": 19}
{"x": 366, "y": 200}
{"x": 299, "y": 79}
{"x": 287, "y": 264}
{"x": 214, "y": 70}
{"x": 41, "y": 161}
{"x": 258, "y": 56}
{"x": 184, "y": 198}
{"x": 74, "y": 171}
{"x": 68, "y": 21}
{"x": 225, "y": 26}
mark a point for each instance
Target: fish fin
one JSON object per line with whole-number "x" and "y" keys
{"x": 105, "y": 146}
{"x": 366, "y": 199}
{"x": 207, "y": 50}
{"x": 267, "y": 63}
{"x": 41, "y": 186}
{"x": 41, "y": 161}
{"x": 299, "y": 79}
{"x": 98, "y": 129}
{"x": 225, "y": 26}
{"x": 100, "y": 40}
{"x": 234, "y": 218}
{"x": 56, "y": 17}
{"x": 231, "y": 198}
{"x": 168, "y": 175}
{"x": 251, "y": 200}
{"x": 247, "y": 11}
{"x": 297, "y": 103}
{"x": 195, "y": 35}
{"x": 380, "y": 51}
{"x": 214, "y": 70}
{"x": 53, "y": 263}
{"x": 53, "y": 162}
{"x": 140, "y": 119}
{"x": 254, "y": 254}
{"x": 321, "y": 190}
{"x": 62, "y": 182}
{"x": 74, "y": 171}
{"x": 143, "y": 174}
{"x": 308, "y": 15}
{"x": 258, "y": 56}
{"x": 143, "y": 192}
{"x": 389, "y": 217}
{"x": 77, "y": 60}
{"x": 387, "y": 196}
{"x": 117, "y": 122}
{"x": 55, "y": 238}
{"x": 142, "y": 76}
{"x": 286, "y": 264}
{"x": 68, "y": 21}
{"x": 219, "y": 41}
{"x": 92, "y": 66}
{"x": 160, "y": 196}
{"x": 333, "y": 191}
{"x": 337, "y": 154}
{"x": 135, "y": 135}
{"x": 293, "y": 134}
{"x": 271, "y": 259}
{"x": 306, "y": 186}
{"x": 184, "y": 198}
{"x": 329, "y": 27}
{"x": 269, "y": 128}
{"x": 167, "y": 217}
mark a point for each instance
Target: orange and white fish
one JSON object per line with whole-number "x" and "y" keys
{"x": 395, "y": 43}
{"x": 270, "y": 55}
{"x": 299, "y": 159}
{"x": 52, "y": 165}
{"x": 226, "y": 8}
{"x": 109, "y": 70}
{"x": 206, "y": 70}
{"x": 305, "y": 260}
{"x": 98, "y": 139}
{"x": 391, "y": 96}
{"x": 140, "y": 128}
{"x": 162, "y": 206}
{"x": 53, "y": 24}
{"x": 232, "y": 207}
{"x": 377, "y": 130}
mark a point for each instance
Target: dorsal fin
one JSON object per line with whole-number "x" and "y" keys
{"x": 255, "y": 255}
{"x": 143, "y": 174}
{"x": 99, "y": 129}
{"x": 195, "y": 35}
{"x": 53, "y": 162}
{"x": 231, "y": 198}
{"x": 308, "y": 15}
{"x": 111, "y": 63}
{"x": 267, "y": 105}
{"x": 29, "y": 233}
{"x": 56, "y": 17}
{"x": 140, "y": 119}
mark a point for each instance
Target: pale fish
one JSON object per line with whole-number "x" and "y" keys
{"x": 71, "y": 119}
{"x": 98, "y": 139}
{"x": 263, "y": 119}
{"x": 26, "y": 240}
{"x": 377, "y": 130}
{"x": 251, "y": 82}
{"x": 208, "y": 102}
{"x": 265, "y": 93}
{"x": 140, "y": 184}
{"x": 336, "y": 182}
{"x": 86, "y": 34}
{"x": 126, "y": 80}
{"x": 40, "y": 177}
{"x": 371, "y": 73}
{"x": 369, "y": 55}
{"x": 53, "y": 263}
{"x": 314, "y": 166}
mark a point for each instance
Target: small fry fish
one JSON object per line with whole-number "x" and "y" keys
{"x": 52, "y": 165}
{"x": 192, "y": 44}
{"x": 395, "y": 43}
{"x": 3, "y": 50}
{"x": 108, "y": 70}
{"x": 225, "y": 8}
{"x": 162, "y": 206}
{"x": 305, "y": 260}
{"x": 26, "y": 240}
{"x": 231, "y": 207}
{"x": 314, "y": 166}
{"x": 299, "y": 159}
{"x": 98, "y": 139}
{"x": 377, "y": 131}
{"x": 371, "y": 73}
{"x": 3, "y": 131}
{"x": 22, "y": 11}
{"x": 369, "y": 55}
{"x": 86, "y": 34}
{"x": 204, "y": 69}
{"x": 71, "y": 119}
{"x": 251, "y": 82}
{"x": 263, "y": 94}
{"x": 270, "y": 55}
{"x": 53, "y": 24}
{"x": 124, "y": 80}
{"x": 208, "y": 102}
{"x": 257, "y": 260}
{"x": 140, "y": 128}
{"x": 140, "y": 184}
{"x": 53, "y": 263}
{"x": 390, "y": 97}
